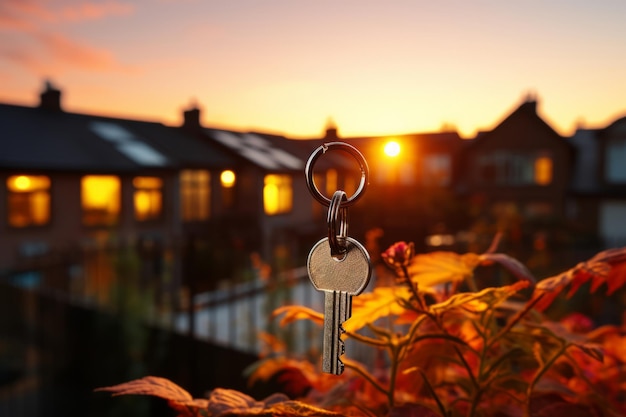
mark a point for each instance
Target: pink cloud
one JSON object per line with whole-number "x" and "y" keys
{"x": 80, "y": 55}
{"x": 54, "y": 53}
{"x": 43, "y": 12}
{"x": 38, "y": 47}
{"x": 8, "y": 21}
{"x": 94, "y": 11}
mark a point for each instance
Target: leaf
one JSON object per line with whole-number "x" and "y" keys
{"x": 150, "y": 385}
{"x": 512, "y": 265}
{"x": 231, "y": 403}
{"x": 296, "y": 312}
{"x": 581, "y": 341}
{"x": 482, "y": 300}
{"x": 221, "y": 402}
{"x": 369, "y": 307}
{"x": 607, "y": 267}
{"x": 435, "y": 268}
{"x": 177, "y": 398}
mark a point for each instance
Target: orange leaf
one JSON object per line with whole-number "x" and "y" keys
{"x": 178, "y": 399}
{"x": 435, "y": 268}
{"x": 369, "y": 307}
{"x": 482, "y": 300}
{"x": 150, "y": 385}
{"x": 296, "y": 312}
{"x": 608, "y": 267}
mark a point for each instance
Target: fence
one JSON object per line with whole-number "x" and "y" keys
{"x": 71, "y": 323}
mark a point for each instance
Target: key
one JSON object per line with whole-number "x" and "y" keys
{"x": 339, "y": 279}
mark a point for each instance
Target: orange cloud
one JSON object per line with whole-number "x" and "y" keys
{"x": 43, "y": 12}
{"x": 72, "y": 52}
{"x": 54, "y": 53}
{"x": 38, "y": 47}
{"x": 94, "y": 11}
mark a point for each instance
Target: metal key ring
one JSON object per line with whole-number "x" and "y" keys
{"x": 340, "y": 146}
{"x": 337, "y": 236}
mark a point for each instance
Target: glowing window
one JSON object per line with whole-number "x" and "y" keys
{"x": 543, "y": 170}
{"x": 331, "y": 182}
{"x": 195, "y": 194}
{"x": 148, "y": 198}
{"x": 277, "y": 194}
{"x": 28, "y": 200}
{"x": 100, "y": 199}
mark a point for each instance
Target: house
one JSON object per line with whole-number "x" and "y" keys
{"x": 598, "y": 193}
{"x": 71, "y": 182}
{"x": 412, "y": 187}
{"x": 516, "y": 178}
{"x": 272, "y": 192}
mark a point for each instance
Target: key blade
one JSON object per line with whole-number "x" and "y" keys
{"x": 335, "y": 310}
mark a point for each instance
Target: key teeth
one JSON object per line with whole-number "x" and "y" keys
{"x": 340, "y": 367}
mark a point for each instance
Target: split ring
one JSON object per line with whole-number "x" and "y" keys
{"x": 337, "y": 233}
{"x": 340, "y": 146}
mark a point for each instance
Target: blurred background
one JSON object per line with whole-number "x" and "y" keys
{"x": 153, "y": 205}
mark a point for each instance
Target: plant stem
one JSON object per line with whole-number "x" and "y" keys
{"x": 539, "y": 374}
{"x": 368, "y": 377}
{"x": 367, "y": 340}
{"x": 394, "y": 351}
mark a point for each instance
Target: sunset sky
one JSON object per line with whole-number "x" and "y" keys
{"x": 288, "y": 66}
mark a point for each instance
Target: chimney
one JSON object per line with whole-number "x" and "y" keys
{"x": 191, "y": 118}
{"x": 50, "y": 98}
{"x": 530, "y": 101}
{"x": 331, "y": 130}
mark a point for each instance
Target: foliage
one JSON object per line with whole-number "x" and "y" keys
{"x": 444, "y": 347}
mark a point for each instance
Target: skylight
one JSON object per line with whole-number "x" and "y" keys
{"x": 128, "y": 144}
{"x": 258, "y": 150}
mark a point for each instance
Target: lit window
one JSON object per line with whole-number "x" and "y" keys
{"x": 195, "y": 193}
{"x": 100, "y": 200}
{"x": 148, "y": 198}
{"x": 331, "y": 182}
{"x": 28, "y": 200}
{"x": 543, "y": 170}
{"x": 277, "y": 194}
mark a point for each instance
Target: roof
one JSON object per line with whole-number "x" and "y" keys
{"x": 42, "y": 139}
{"x": 448, "y": 141}
{"x": 272, "y": 152}
{"x": 522, "y": 123}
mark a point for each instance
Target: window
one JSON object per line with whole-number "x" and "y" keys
{"x": 100, "y": 199}
{"x": 511, "y": 168}
{"x": 331, "y": 182}
{"x": 277, "y": 194}
{"x": 437, "y": 170}
{"x": 615, "y": 155}
{"x": 148, "y": 198}
{"x": 195, "y": 193}
{"x": 543, "y": 170}
{"x": 28, "y": 200}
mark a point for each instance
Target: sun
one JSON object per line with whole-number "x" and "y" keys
{"x": 392, "y": 149}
